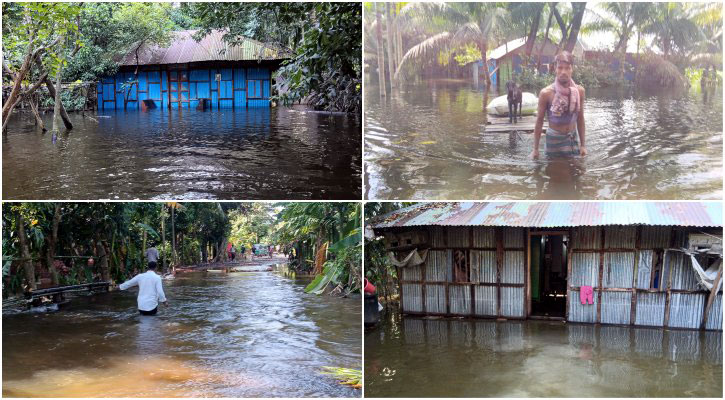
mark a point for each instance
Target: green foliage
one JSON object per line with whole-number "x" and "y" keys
{"x": 467, "y": 54}
{"x": 595, "y": 73}
{"x": 324, "y": 37}
{"x": 73, "y": 99}
{"x": 530, "y": 81}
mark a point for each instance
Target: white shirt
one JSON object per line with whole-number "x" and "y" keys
{"x": 150, "y": 290}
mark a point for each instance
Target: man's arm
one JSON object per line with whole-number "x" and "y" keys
{"x": 129, "y": 283}
{"x": 581, "y": 127}
{"x": 541, "y": 110}
{"x": 160, "y": 291}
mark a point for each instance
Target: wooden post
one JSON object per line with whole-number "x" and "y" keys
{"x": 601, "y": 275}
{"x": 713, "y": 294}
{"x": 499, "y": 262}
{"x": 633, "y": 307}
{"x": 527, "y": 274}
{"x": 569, "y": 254}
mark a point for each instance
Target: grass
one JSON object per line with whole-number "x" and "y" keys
{"x": 347, "y": 376}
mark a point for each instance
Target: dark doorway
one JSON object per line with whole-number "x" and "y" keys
{"x": 548, "y": 275}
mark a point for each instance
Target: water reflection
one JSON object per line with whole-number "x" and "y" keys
{"x": 412, "y": 357}
{"x": 429, "y": 142}
{"x": 255, "y": 153}
{"x": 240, "y": 335}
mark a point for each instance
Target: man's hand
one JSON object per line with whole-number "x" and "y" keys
{"x": 582, "y": 151}
{"x": 535, "y": 154}
{"x": 166, "y": 303}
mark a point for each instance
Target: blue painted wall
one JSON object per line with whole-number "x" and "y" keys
{"x": 238, "y": 87}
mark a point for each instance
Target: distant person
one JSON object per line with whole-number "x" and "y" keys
{"x": 243, "y": 250}
{"x": 563, "y": 104}
{"x": 270, "y": 251}
{"x": 704, "y": 80}
{"x": 233, "y": 253}
{"x": 150, "y": 290}
{"x": 152, "y": 256}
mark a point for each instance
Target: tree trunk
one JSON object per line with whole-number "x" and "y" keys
{"x": 483, "y": 46}
{"x": 18, "y": 78}
{"x": 578, "y": 9}
{"x": 391, "y": 55}
{"x": 532, "y": 32}
{"x": 63, "y": 113}
{"x": 559, "y": 21}
{"x": 51, "y": 242}
{"x": 173, "y": 236}
{"x": 27, "y": 262}
{"x": 204, "y": 252}
{"x": 546, "y": 40}
{"x": 57, "y": 106}
{"x": 637, "y": 60}
{"x": 103, "y": 260}
{"x": 163, "y": 244}
{"x": 34, "y": 108}
{"x": 381, "y": 52}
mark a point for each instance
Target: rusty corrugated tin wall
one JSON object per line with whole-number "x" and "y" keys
{"x": 496, "y": 274}
{"x": 635, "y": 279}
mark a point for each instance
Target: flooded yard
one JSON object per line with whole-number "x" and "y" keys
{"x": 417, "y": 357}
{"x": 235, "y": 335}
{"x": 254, "y": 153}
{"x": 428, "y": 142}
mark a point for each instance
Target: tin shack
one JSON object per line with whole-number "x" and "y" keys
{"x": 187, "y": 72}
{"x": 646, "y": 264}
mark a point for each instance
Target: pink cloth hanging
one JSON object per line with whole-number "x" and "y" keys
{"x": 586, "y": 294}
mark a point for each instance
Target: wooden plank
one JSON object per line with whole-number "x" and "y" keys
{"x": 570, "y": 250}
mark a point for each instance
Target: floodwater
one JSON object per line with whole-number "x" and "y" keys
{"x": 236, "y": 335}
{"x": 255, "y": 153}
{"x": 427, "y": 141}
{"x": 418, "y": 357}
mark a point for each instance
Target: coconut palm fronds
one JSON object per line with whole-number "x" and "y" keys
{"x": 706, "y": 60}
{"x": 347, "y": 376}
{"x": 658, "y": 71}
{"x": 433, "y": 44}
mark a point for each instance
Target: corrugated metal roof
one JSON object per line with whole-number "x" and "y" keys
{"x": 184, "y": 49}
{"x": 555, "y": 214}
{"x": 549, "y": 49}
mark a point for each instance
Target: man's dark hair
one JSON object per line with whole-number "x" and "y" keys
{"x": 151, "y": 266}
{"x": 564, "y": 56}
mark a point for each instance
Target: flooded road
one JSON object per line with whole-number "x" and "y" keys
{"x": 236, "y": 335}
{"x": 255, "y": 153}
{"x": 414, "y": 357}
{"x": 427, "y": 142}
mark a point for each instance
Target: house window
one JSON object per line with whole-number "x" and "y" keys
{"x": 460, "y": 266}
{"x": 254, "y": 89}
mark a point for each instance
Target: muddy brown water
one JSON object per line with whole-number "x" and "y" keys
{"x": 417, "y": 357}
{"x": 426, "y": 141}
{"x": 236, "y": 335}
{"x": 239, "y": 154}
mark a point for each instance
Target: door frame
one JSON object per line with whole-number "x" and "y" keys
{"x": 177, "y": 72}
{"x": 544, "y": 232}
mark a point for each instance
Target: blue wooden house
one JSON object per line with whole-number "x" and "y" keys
{"x": 188, "y": 72}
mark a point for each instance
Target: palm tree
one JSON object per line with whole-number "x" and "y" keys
{"x": 453, "y": 25}
{"x": 673, "y": 28}
{"x": 621, "y": 19}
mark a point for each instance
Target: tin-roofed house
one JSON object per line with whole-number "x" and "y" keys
{"x": 186, "y": 73}
{"x": 634, "y": 263}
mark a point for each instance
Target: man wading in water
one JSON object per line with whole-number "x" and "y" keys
{"x": 564, "y": 109}
{"x": 150, "y": 290}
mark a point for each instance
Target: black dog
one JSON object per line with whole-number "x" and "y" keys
{"x": 515, "y": 98}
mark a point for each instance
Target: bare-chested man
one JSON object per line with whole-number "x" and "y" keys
{"x": 564, "y": 109}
